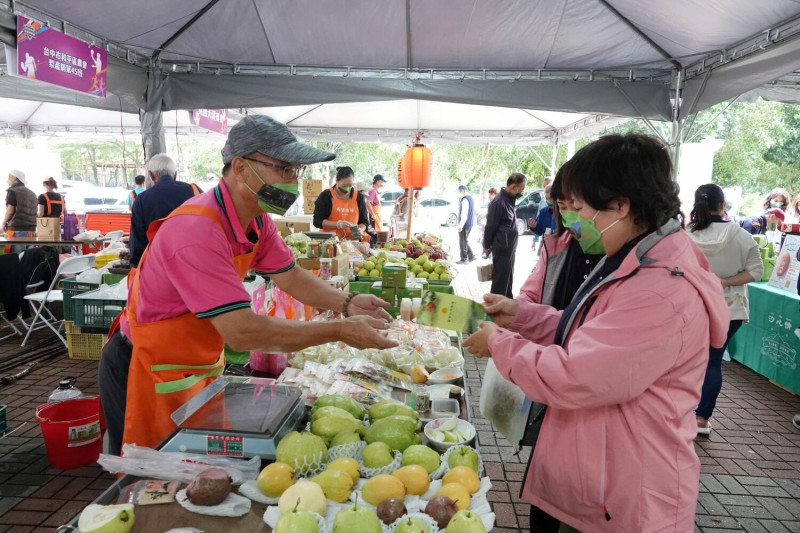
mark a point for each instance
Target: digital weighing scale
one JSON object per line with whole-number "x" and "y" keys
{"x": 236, "y": 416}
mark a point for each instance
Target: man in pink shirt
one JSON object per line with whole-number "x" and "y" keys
{"x": 190, "y": 286}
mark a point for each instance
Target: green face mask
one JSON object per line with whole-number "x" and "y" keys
{"x": 549, "y": 203}
{"x": 588, "y": 235}
{"x": 275, "y": 199}
{"x": 568, "y": 218}
{"x": 345, "y": 190}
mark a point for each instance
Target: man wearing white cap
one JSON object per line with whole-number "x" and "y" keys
{"x": 186, "y": 299}
{"x": 21, "y": 206}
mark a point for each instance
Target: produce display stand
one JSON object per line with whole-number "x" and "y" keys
{"x": 166, "y": 516}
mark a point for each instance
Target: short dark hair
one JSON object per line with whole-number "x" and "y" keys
{"x": 492, "y": 190}
{"x": 462, "y": 187}
{"x": 344, "y": 172}
{"x": 516, "y": 178}
{"x": 51, "y": 182}
{"x": 707, "y": 198}
{"x": 139, "y": 180}
{"x": 635, "y": 167}
{"x": 556, "y": 194}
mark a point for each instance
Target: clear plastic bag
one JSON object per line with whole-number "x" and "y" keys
{"x": 504, "y": 404}
{"x": 146, "y": 462}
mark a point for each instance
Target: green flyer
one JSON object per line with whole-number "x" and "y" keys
{"x": 448, "y": 311}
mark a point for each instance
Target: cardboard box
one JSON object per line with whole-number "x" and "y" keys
{"x": 287, "y": 228}
{"x": 394, "y": 275}
{"x": 313, "y": 188}
{"x": 409, "y": 292}
{"x": 340, "y": 266}
{"x": 308, "y": 205}
{"x": 387, "y": 294}
{"x": 485, "y": 272}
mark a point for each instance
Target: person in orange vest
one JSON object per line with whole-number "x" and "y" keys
{"x": 137, "y": 190}
{"x": 375, "y": 199}
{"x": 51, "y": 203}
{"x": 340, "y": 208}
{"x": 186, "y": 300}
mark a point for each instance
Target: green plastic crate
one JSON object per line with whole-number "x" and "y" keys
{"x": 97, "y": 314}
{"x": 70, "y": 288}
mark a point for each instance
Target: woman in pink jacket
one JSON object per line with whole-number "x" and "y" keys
{"x": 622, "y": 366}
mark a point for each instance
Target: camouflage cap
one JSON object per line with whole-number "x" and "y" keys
{"x": 262, "y": 134}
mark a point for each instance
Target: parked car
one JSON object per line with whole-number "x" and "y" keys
{"x": 107, "y": 199}
{"x": 438, "y": 211}
{"x": 388, "y": 198}
{"x": 527, "y": 207}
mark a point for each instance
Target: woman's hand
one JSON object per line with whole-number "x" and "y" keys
{"x": 502, "y": 309}
{"x": 368, "y": 305}
{"x": 478, "y": 343}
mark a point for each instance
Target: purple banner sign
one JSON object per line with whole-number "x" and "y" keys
{"x": 211, "y": 119}
{"x": 47, "y": 55}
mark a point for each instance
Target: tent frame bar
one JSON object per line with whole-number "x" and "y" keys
{"x": 205, "y": 9}
{"x": 786, "y": 30}
{"x": 427, "y": 74}
{"x": 625, "y": 20}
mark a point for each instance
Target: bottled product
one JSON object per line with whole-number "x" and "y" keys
{"x": 65, "y": 391}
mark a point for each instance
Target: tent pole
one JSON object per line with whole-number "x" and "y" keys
{"x": 410, "y": 212}
{"x": 677, "y": 126}
{"x": 553, "y": 160}
{"x": 150, "y": 118}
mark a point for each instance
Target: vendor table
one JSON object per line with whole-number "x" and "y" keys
{"x": 362, "y": 287}
{"x": 77, "y": 245}
{"x": 769, "y": 343}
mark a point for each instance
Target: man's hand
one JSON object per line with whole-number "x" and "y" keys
{"x": 342, "y": 224}
{"x": 532, "y": 223}
{"x": 5, "y": 226}
{"x": 478, "y": 343}
{"x": 363, "y": 332}
{"x": 485, "y": 253}
{"x": 502, "y": 309}
{"x": 460, "y": 229}
{"x": 369, "y": 305}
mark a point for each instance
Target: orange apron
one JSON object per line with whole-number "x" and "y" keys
{"x": 346, "y": 210}
{"x": 173, "y": 359}
{"x": 50, "y": 204}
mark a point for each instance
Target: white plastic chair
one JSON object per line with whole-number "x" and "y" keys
{"x": 113, "y": 236}
{"x": 39, "y": 300}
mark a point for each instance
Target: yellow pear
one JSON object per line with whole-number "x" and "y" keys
{"x": 464, "y": 475}
{"x": 456, "y": 492}
{"x": 348, "y": 465}
{"x": 415, "y": 478}
{"x": 336, "y": 484}
{"x": 275, "y": 478}
{"x": 381, "y": 487}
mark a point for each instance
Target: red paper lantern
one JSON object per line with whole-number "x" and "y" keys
{"x": 417, "y": 166}
{"x": 401, "y": 176}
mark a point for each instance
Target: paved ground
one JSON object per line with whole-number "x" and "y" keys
{"x": 751, "y": 463}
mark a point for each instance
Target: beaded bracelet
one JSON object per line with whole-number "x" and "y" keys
{"x": 347, "y": 303}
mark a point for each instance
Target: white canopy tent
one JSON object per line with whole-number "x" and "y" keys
{"x": 612, "y": 57}
{"x": 25, "y": 118}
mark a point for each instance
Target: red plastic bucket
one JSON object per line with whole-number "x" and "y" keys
{"x": 72, "y": 431}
